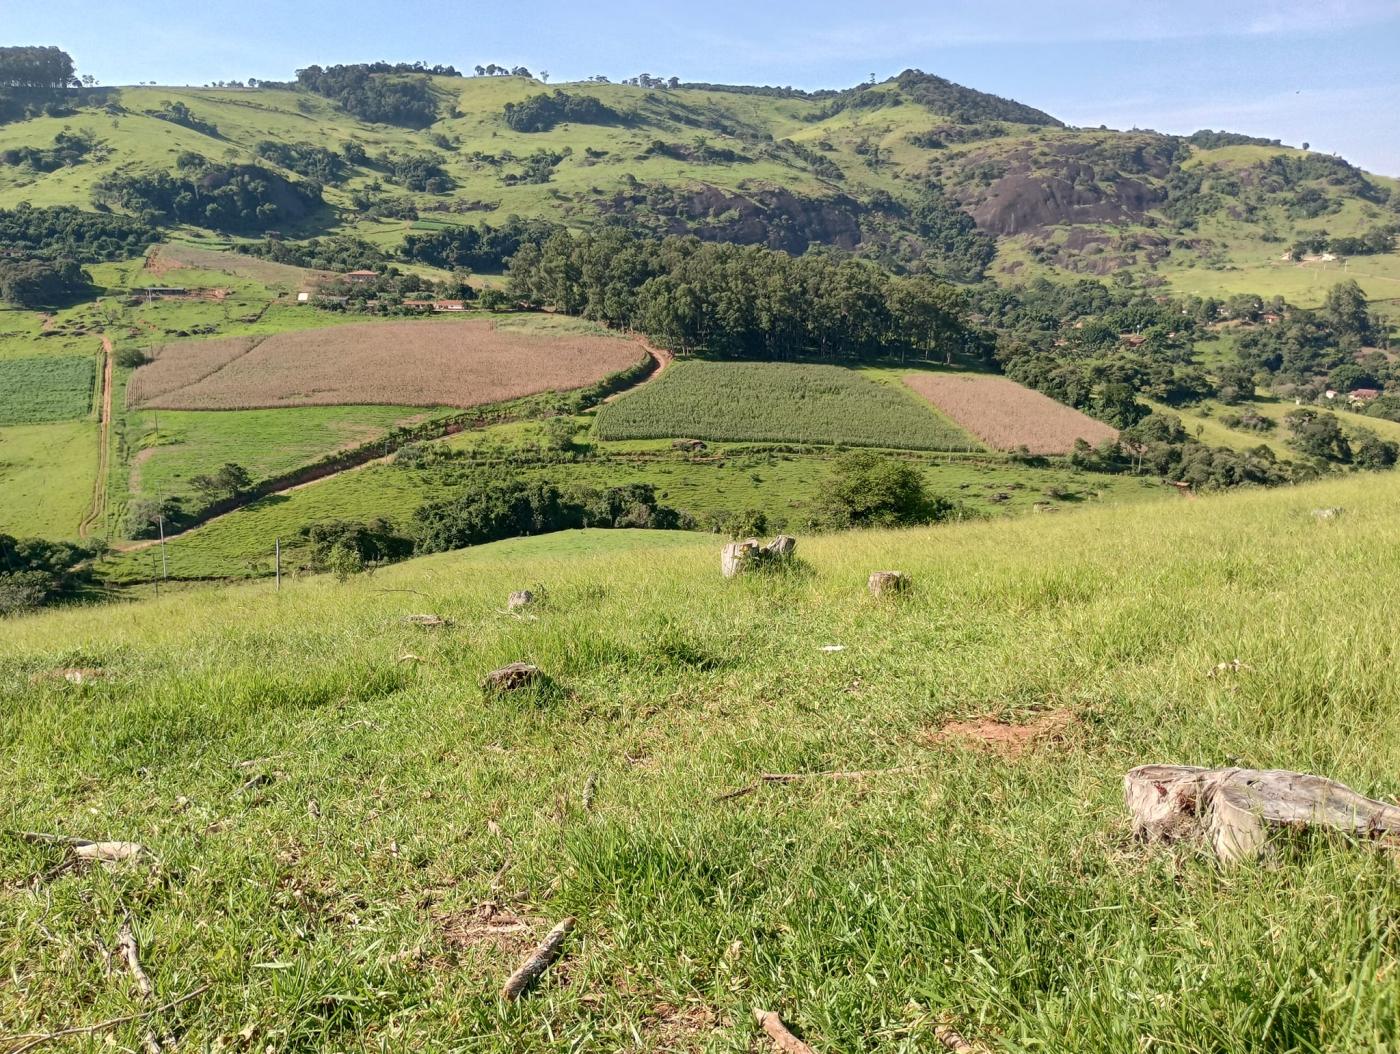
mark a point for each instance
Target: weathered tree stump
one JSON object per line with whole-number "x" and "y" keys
{"x": 510, "y": 678}
{"x": 887, "y": 583}
{"x": 521, "y": 598}
{"x": 1236, "y": 811}
{"x": 739, "y": 557}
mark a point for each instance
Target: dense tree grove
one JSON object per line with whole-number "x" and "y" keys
{"x": 34, "y": 572}
{"x": 43, "y": 283}
{"x": 741, "y": 301}
{"x": 36, "y": 67}
{"x": 305, "y": 159}
{"x": 379, "y": 91}
{"x": 340, "y": 253}
{"x": 224, "y": 197}
{"x": 480, "y": 248}
{"x": 540, "y": 113}
{"x": 68, "y": 149}
{"x": 491, "y": 509}
{"x": 66, "y": 232}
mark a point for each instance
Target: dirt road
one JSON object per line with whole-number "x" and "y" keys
{"x": 98, "y": 506}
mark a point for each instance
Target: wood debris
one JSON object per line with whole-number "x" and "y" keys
{"x": 783, "y": 1040}
{"x": 1236, "y": 666}
{"x": 38, "y": 1039}
{"x": 510, "y": 678}
{"x": 830, "y": 774}
{"x": 1237, "y": 812}
{"x": 108, "y": 854}
{"x": 426, "y": 620}
{"x": 538, "y": 962}
{"x": 887, "y": 583}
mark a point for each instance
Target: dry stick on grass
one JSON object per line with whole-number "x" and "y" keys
{"x": 590, "y": 791}
{"x": 37, "y": 1039}
{"x": 953, "y": 1039}
{"x": 538, "y": 962}
{"x": 783, "y": 1040}
{"x": 834, "y": 774}
{"x": 126, "y": 944}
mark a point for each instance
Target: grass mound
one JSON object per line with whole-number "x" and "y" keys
{"x": 781, "y": 403}
{"x": 450, "y": 831}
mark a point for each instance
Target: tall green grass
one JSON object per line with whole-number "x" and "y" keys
{"x": 1005, "y": 894}
{"x": 778, "y": 402}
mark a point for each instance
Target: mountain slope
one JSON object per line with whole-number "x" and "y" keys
{"x": 350, "y": 840}
{"x": 892, "y": 170}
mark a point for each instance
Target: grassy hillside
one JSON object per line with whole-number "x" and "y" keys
{"x": 999, "y": 892}
{"x": 854, "y": 168}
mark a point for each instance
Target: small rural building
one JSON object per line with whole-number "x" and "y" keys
{"x": 1363, "y": 395}
{"x": 303, "y": 297}
{"x": 152, "y": 291}
{"x": 420, "y": 305}
{"x": 360, "y": 277}
{"x": 449, "y": 305}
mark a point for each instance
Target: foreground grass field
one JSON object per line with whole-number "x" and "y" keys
{"x": 779, "y": 403}
{"x": 334, "y": 827}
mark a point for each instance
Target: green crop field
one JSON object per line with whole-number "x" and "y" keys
{"x": 46, "y": 477}
{"x": 39, "y": 389}
{"x": 781, "y": 403}
{"x": 349, "y": 843}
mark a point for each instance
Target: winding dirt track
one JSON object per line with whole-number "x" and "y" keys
{"x": 98, "y": 506}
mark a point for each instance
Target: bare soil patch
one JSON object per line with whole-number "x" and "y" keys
{"x": 1007, "y": 415}
{"x": 412, "y": 363}
{"x": 1003, "y": 738}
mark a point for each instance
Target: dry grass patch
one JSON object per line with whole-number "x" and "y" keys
{"x": 411, "y": 363}
{"x": 1007, "y": 415}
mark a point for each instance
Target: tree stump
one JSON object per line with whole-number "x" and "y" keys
{"x": 510, "y": 678}
{"x": 887, "y": 583}
{"x": 521, "y": 598}
{"x": 739, "y": 557}
{"x": 1236, "y": 811}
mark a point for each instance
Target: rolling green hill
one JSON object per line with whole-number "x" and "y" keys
{"x": 915, "y": 172}
{"x": 350, "y": 844}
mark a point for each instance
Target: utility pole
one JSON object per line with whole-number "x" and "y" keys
{"x": 277, "y": 562}
{"x": 160, "y": 520}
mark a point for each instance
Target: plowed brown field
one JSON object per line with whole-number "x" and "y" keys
{"x": 1006, "y": 415}
{"x": 411, "y": 363}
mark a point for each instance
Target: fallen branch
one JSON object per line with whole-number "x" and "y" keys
{"x": 105, "y": 853}
{"x": 833, "y": 774}
{"x": 590, "y": 791}
{"x": 126, "y": 944}
{"x": 783, "y": 1040}
{"x": 37, "y": 1039}
{"x": 538, "y": 962}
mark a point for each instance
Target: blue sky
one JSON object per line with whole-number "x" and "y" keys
{"x": 1325, "y": 72}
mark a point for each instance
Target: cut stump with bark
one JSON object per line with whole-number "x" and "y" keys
{"x": 511, "y": 678}
{"x": 887, "y": 583}
{"x": 1237, "y": 811}
{"x": 739, "y": 557}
